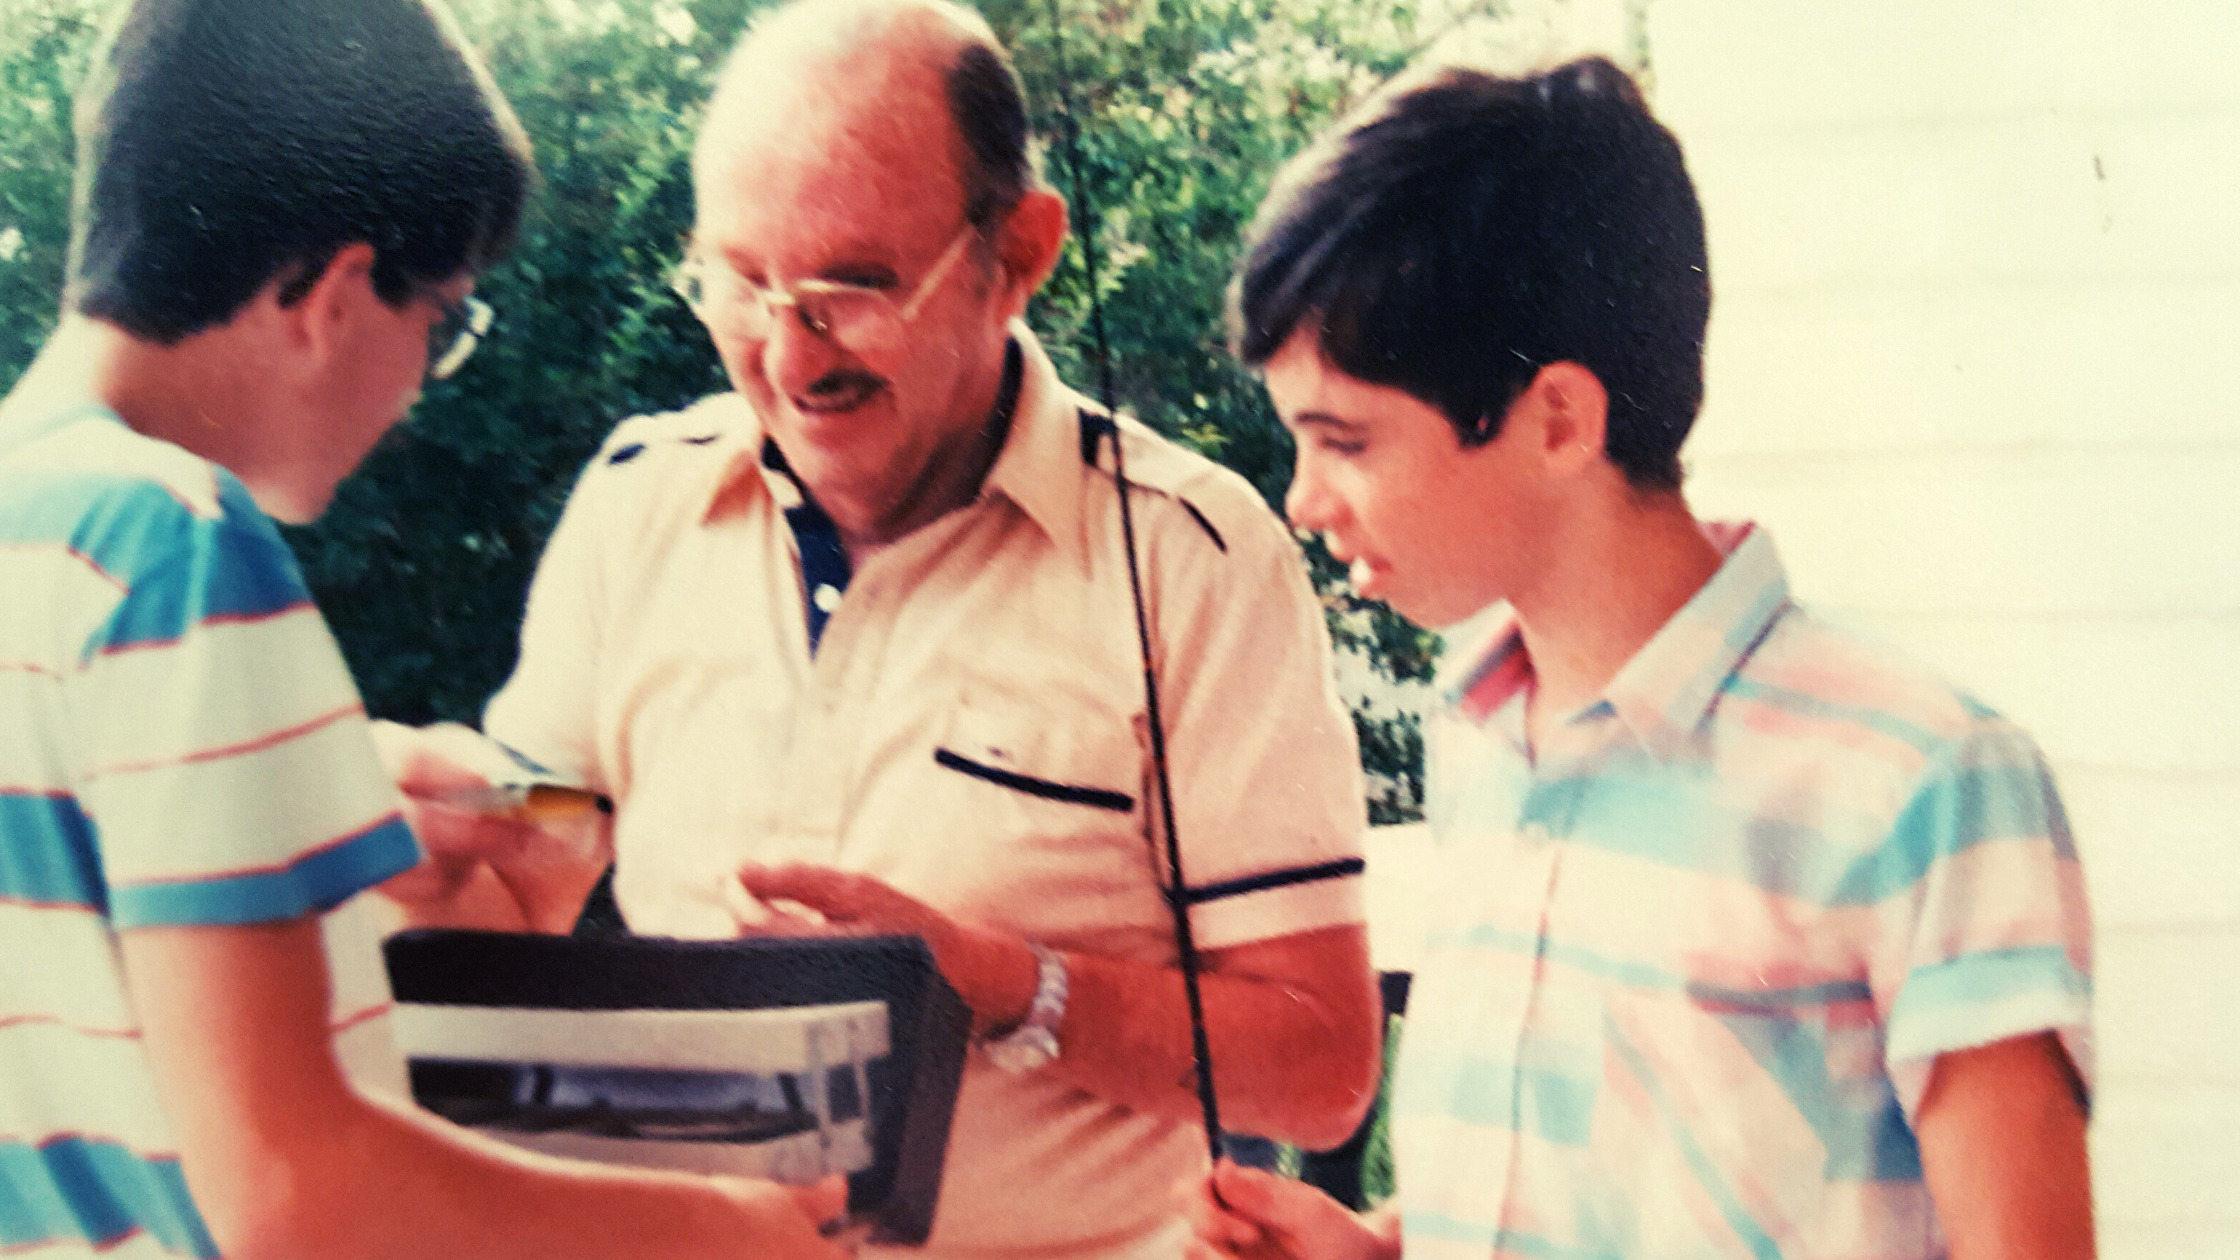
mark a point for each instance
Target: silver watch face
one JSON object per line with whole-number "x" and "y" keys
{"x": 1024, "y": 1050}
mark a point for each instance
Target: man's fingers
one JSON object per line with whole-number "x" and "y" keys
{"x": 794, "y": 881}
{"x": 1247, "y": 1192}
{"x": 461, "y": 835}
{"x": 828, "y": 896}
{"x": 1227, "y": 1225}
{"x": 822, "y": 1201}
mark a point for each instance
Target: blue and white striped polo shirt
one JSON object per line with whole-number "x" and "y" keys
{"x": 1690, "y": 961}
{"x": 180, "y": 744}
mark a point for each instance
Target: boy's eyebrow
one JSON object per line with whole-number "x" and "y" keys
{"x": 1325, "y": 420}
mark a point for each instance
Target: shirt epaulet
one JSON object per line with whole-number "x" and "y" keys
{"x": 702, "y": 424}
{"x": 1196, "y": 484}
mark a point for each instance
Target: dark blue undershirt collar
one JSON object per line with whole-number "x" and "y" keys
{"x": 824, "y": 561}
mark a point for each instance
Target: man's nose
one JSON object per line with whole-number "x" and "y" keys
{"x": 793, "y": 357}
{"x": 1307, "y": 503}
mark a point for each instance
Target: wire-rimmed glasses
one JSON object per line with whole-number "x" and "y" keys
{"x": 858, "y": 317}
{"x": 451, "y": 339}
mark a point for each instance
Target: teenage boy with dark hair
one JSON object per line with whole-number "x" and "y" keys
{"x": 280, "y": 210}
{"x": 1753, "y": 939}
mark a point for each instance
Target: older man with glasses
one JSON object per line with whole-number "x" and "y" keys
{"x": 859, "y": 638}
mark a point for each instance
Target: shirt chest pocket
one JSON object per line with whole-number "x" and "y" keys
{"x": 1059, "y": 765}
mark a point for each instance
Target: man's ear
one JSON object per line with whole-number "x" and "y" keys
{"x": 1573, "y": 411}
{"x": 324, "y": 318}
{"x": 1033, "y": 235}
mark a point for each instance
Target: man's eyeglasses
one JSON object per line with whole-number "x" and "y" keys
{"x": 451, "y": 339}
{"x": 858, "y": 317}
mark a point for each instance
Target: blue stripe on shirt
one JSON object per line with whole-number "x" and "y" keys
{"x": 231, "y": 571}
{"x": 315, "y": 882}
{"x": 73, "y": 1188}
{"x": 47, "y": 852}
{"x": 1435, "y": 1225}
{"x": 1954, "y": 809}
{"x": 180, "y": 568}
{"x": 1709, "y": 1176}
{"x": 1975, "y": 983}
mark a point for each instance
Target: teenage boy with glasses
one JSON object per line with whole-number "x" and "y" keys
{"x": 186, "y": 781}
{"x": 864, "y": 628}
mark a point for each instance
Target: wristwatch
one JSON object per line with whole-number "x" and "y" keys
{"x": 1035, "y": 1041}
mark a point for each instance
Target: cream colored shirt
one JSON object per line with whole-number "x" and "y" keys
{"x": 968, "y": 668}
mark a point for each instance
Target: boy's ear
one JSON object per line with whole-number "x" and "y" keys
{"x": 323, "y": 319}
{"x": 1574, "y": 414}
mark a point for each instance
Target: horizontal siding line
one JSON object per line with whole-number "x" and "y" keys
{"x": 1708, "y": 130}
{"x": 2188, "y": 930}
{"x": 2008, "y": 285}
{"x": 2150, "y": 1090}
{"x": 2038, "y": 450}
{"x": 2128, "y": 927}
{"x": 1917, "y": 281}
{"x": 2124, "y": 1081}
{"x": 2214, "y": 616}
{"x": 2163, "y": 776}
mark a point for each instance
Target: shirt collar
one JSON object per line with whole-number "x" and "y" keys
{"x": 1663, "y": 693}
{"x": 1039, "y": 468}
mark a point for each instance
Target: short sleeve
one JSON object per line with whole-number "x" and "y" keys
{"x": 1992, "y": 938}
{"x": 1266, "y": 774}
{"x": 220, "y": 750}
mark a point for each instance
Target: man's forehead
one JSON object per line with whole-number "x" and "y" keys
{"x": 824, "y": 147}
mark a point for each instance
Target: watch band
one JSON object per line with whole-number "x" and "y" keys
{"x": 1035, "y": 1041}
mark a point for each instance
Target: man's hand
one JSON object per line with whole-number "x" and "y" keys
{"x": 481, "y": 870}
{"x": 1244, "y": 1214}
{"x": 994, "y": 972}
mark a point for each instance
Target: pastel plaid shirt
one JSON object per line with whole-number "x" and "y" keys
{"x": 1690, "y": 962}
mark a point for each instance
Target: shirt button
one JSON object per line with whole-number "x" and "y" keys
{"x": 827, "y": 597}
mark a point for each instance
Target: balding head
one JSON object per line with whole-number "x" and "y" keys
{"x": 817, "y": 65}
{"x": 874, "y": 148}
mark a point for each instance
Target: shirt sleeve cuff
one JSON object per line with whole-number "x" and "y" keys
{"x": 1278, "y": 903}
{"x": 313, "y": 882}
{"x": 1986, "y": 998}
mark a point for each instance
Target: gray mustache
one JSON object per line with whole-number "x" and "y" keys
{"x": 843, "y": 387}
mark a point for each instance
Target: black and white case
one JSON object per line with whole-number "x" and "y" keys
{"x": 784, "y": 1058}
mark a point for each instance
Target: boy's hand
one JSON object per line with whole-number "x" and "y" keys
{"x": 1259, "y": 1216}
{"x": 789, "y": 1222}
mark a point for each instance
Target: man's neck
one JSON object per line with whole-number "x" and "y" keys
{"x": 949, "y": 480}
{"x": 1615, "y": 581}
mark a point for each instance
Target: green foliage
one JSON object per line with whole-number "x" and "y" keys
{"x": 424, "y": 559}
{"x": 1182, "y": 111}
{"x": 1164, "y": 123}
{"x": 42, "y": 55}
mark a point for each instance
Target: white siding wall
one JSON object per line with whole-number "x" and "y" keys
{"x": 1975, "y": 359}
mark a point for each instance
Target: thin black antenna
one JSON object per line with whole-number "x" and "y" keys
{"x": 1201, "y": 1053}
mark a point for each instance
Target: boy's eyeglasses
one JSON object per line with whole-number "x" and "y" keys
{"x": 860, "y": 318}
{"x": 451, "y": 339}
